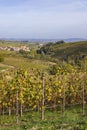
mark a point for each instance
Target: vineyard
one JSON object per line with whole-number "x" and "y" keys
{"x": 49, "y": 99}
{"x": 43, "y": 65}
{"x": 41, "y": 91}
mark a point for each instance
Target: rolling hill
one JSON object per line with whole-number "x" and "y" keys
{"x": 63, "y": 51}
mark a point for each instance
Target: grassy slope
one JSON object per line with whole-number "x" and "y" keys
{"x": 57, "y": 50}
{"x": 4, "y": 67}
{"x": 18, "y": 61}
{"x": 67, "y": 49}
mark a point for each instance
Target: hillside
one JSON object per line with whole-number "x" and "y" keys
{"x": 74, "y": 50}
{"x": 12, "y": 55}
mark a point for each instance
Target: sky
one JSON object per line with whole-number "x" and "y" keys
{"x": 49, "y": 19}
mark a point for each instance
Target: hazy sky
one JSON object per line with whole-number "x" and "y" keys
{"x": 43, "y": 18}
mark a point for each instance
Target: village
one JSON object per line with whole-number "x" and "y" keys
{"x": 16, "y": 49}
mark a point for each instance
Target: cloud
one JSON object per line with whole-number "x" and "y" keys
{"x": 48, "y": 6}
{"x": 73, "y": 6}
{"x": 43, "y": 18}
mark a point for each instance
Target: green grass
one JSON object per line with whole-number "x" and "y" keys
{"x": 73, "y": 120}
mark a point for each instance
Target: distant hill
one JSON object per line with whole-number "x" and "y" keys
{"x": 74, "y": 39}
{"x": 42, "y": 40}
{"x": 64, "y": 51}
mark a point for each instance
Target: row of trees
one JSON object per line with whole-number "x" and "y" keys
{"x": 24, "y": 90}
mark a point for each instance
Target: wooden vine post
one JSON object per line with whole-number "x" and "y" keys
{"x": 17, "y": 107}
{"x": 43, "y": 98}
{"x": 83, "y": 100}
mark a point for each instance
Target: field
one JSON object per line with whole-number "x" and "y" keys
{"x": 43, "y": 91}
